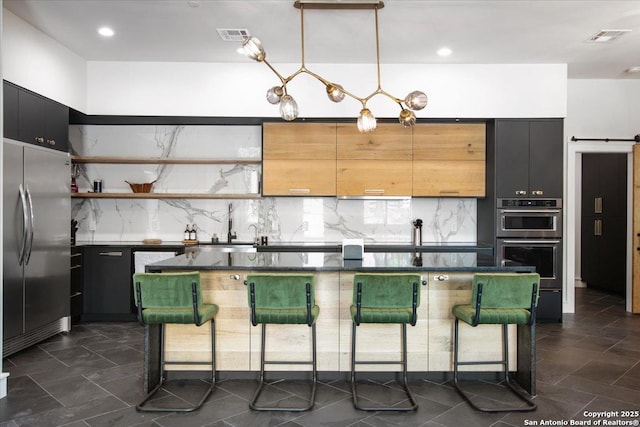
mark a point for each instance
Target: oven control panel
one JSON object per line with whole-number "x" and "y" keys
{"x": 529, "y": 203}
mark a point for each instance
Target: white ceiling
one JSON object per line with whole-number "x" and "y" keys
{"x": 478, "y": 31}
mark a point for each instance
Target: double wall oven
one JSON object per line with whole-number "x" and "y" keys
{"x": 529, "y": 232}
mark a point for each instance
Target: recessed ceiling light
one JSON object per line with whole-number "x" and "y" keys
{"x": 605, "y": 36}
{"x": 444, "y": 51}
{"x": 106, "y": 31}
{"x": 633, "y": 70}
{"x": 193, "y": 3}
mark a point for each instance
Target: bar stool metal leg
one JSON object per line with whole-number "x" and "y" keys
{"x": 142, "y": 407}
{"x": 402, "y": 362}
{"x": 261, "y": 382}
{"x": 531, "y": 406}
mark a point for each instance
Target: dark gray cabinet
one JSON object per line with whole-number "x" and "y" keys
{"x": 107, "y": 293}
{"x": 76, "y": 288}
{"x": 604, "y": 221}
{"x": 34, "y": 119}
{"x": 10, "y": 110}
{"x": 528, "y": 158}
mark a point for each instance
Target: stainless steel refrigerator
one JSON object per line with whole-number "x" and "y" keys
{"x": 36, "y": 246}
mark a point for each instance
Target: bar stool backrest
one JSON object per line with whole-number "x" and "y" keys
{"x": 281, "y": 298}
{"x": 168, "y": 297}
{"x": 502, "y": 298}
{"x": 386, "y": 298}
{"x": 505, "y": 290}
{"x": 386, "y": 290}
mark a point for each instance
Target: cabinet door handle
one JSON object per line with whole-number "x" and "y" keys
{"x": 113, "y": 253}
{"x": 537, "y": 192}
{"x": 449, "y": 192}
{"x": 299, "y": 191}
{"x": 597, "y": 227}
{"x": 597, "y": 202}
{"x": 374, "y": 191}
{"x": 234, "y": 277}
{"x": 521, "y": 192}
{"x": 51, "y": 141}
{"x": 39, "y": 139}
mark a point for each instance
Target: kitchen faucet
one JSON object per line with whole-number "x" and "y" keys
{"x": 230, "y": 235}
{"x": 255, "y": 238}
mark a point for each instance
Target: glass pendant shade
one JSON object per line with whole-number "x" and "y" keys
{"x": 288, "y": 108}
{"x": 416, "y": 100}
{"x": 274, "y": 94}
{"x": 407, "y": 118}
{"x": 335, "y": 92}
{"x": 366, "y": 121}
{"x": 253, "y": 48}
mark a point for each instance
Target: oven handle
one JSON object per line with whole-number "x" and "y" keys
{"x": 539, "y": 211}
{"x": 528, "y": 242}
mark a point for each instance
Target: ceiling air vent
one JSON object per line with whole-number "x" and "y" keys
{"x": 606, "y": 36}
{"x": 233, "y": 34}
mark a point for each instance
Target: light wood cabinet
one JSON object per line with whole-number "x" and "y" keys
{"x": 449, "y": 159}
{"x": 389, "y": 141}
{"x": 377, "y": 163}
{"x": 374, "y": 177}
{"x": 328, "y": 159}
{"x": 299, "y": 159}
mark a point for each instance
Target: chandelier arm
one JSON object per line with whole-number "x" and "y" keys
{"x": 301, "y": 36}
{"x": 393, "y": 98}
{"x": 377, "y": 48}
{"x": 366, "y": 122}
{"x": 282, "y": 79}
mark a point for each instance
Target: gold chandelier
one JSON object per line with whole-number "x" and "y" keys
{"x": 415, "y": 100}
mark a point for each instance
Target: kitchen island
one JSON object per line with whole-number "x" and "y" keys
{"x": 447, "y": 278}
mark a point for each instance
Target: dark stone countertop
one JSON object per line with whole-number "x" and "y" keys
{"x": 205, "y": 259}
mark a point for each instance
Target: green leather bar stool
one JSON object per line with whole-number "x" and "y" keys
{"x": 284, "y": 299}
{"x": 164, "y": 298}
{"x": 384, "y": 298}
{"x": 498, "y": 299}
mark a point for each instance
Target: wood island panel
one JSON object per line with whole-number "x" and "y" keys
{"x": 380, "y": 341}
{"x": 192, "y": 343}
{"x": 479, "y": 343}
{"x": 430, "y": 342}
{"x": 293, "y": 342}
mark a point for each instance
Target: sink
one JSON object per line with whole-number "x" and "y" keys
{"x": 228, "y": 247}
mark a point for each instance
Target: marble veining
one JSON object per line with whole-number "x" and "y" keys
{"x": 281, "y": 219}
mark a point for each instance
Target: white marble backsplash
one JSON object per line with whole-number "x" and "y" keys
{"x": 282, "y": 219}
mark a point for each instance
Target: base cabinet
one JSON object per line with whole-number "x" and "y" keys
{"x": 76, "y": 290}
{"x": 108, "y": 289}
{"x": 549, "y": 306}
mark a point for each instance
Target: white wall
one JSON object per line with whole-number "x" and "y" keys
{"x": 596, "y": 109}
{"x": 37, "y": 62}
{"x": 238, "y": 90}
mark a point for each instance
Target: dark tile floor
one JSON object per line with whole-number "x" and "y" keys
{"x": 91, "y": 377}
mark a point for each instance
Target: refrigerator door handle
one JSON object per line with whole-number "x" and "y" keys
{"x": 25, "y": 226}
{"x": 30, "y": 206}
